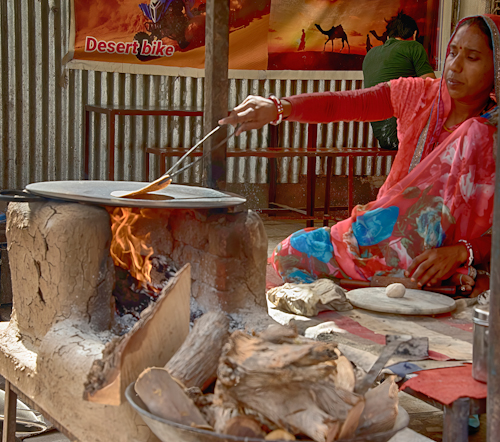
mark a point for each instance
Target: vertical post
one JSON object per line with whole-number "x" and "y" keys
{"x": 111, "y": 145}
{"x": 493, "y": 401}
{"x": 86, "y": 148}
{"x": 456, "y": 421}
{"x": 9, "y": 413}
{"x": 216, "y": 90}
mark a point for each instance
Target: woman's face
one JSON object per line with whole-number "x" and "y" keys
{"x": 469, "y": 70}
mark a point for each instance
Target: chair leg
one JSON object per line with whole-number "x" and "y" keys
{"x": 350, "y": 185}
{"x": 273, "y": 169}
{"x": 312, "y": 140}
{"x": 163, "y": 166}
{"x": 273, "y": 181}
{"x": 326, "y": 211}
{"x": 311, "y": 194}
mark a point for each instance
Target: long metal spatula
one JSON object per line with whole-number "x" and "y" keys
{"x": 166, "y": 178}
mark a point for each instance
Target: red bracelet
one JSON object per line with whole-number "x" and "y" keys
{"x": 279, "y": 109}
{"x": 469, "y": 251}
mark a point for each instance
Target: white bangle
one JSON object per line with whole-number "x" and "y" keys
{"x": 469, "y": 251}
{"x": 279, "y": 109}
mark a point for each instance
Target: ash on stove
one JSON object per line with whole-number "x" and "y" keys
{"x": 250, "y": 320}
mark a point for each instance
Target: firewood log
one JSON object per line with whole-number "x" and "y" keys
{"x": 285, "y": 382}
{"x": 381, "y": 408}
{"x": 243, "y": 426}
{"x": 223, "y": 415}
{"x": 195, "y": 363}
{"x": 204, "y": 402}
{"x": 346, "y": 379}
{"x": 352, "y": 421}
{"x": 166, "y": 399}
{"x": 279, "y": 435}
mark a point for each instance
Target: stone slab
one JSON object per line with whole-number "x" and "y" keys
{"x": 415, "y": 302}
{"x": 408, "y": 435}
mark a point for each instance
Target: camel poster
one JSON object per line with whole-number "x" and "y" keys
{"x": 146, "y": 36}
{"x": 336, "y": 34}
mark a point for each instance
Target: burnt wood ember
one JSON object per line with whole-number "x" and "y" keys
{"x": 131, "y": 296}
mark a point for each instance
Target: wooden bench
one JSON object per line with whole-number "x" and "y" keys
{"x": 311, "y": 153}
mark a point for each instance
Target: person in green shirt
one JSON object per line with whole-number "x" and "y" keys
{"x": 400, "y": 56}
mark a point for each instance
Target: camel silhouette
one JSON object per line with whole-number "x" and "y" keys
{"x": 381, "y": 38}
{"x": 333, "y": 33}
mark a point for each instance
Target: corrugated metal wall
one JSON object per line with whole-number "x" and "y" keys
{"x": 41, "y": 110}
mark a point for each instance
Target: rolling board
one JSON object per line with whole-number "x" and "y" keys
{"x": 415, "y": 302}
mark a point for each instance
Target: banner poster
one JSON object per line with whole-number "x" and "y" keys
{"x": 265, "y": 35}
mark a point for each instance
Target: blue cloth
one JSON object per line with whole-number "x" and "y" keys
{"x": 315, "y": 243}
{"x": 375, "y": 226}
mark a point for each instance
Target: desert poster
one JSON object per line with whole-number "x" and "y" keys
{"x": 336, "y": 34}
{"x": 298, "y": 35}
{"x": 166, "y": 32}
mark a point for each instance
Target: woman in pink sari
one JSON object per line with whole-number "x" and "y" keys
{"x": 432, "y": 217}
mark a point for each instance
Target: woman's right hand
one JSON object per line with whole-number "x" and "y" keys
{"x": 253, "y": 113}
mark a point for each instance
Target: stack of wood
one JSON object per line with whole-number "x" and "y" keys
{"x": 274, "y": 386}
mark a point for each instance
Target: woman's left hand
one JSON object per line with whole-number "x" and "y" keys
{"x": 434, "y": 265}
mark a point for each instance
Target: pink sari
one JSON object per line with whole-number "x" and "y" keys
{"x": 435, "y": 195}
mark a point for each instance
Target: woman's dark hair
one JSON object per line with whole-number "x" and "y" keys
{"x": 402, "y": 26}
{"x": 481, "y": 24}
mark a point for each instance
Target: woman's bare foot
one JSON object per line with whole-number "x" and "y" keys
{"x": 482, "y": 284}
{"x": 465, "y": 283}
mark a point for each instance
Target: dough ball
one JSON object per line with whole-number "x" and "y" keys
{"x": 396, "y": 290}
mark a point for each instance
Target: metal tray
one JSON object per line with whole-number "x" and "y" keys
{"x": 168, "y": 431}
{"x": 175, "y": 196}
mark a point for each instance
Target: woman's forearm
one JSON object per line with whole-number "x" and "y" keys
{"x": 372, "y": 104}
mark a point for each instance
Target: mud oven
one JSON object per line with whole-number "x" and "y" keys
{"x": 64, "y": 347}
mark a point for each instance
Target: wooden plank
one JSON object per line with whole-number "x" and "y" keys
{"x": 9, "y": 412}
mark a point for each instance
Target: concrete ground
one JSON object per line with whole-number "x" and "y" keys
{"x": 426, "y": 422}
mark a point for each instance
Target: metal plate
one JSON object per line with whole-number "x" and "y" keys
{"x": 414, "y": 302}
{"x": 168, "y": 431}
{"x": 175, "y": 196}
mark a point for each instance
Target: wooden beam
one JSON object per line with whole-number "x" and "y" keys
{"x": 216, "y": 90}
{"x": 493, "y": 401}
{"x": 9, "y": 413}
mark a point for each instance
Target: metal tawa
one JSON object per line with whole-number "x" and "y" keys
{"x": 175, "y": 196}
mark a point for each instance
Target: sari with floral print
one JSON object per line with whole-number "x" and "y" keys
{"x": 439, "y": 191}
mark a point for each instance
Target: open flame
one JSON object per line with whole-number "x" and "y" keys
{"x": 128, "y": 250}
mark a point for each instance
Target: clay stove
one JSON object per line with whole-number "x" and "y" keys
{"x": 60, "y": 348}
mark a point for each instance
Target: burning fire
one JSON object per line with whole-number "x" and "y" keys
{"x": 129, "y": 251}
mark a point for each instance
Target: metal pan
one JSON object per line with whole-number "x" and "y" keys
{"x": 175, "y": 196}
{"x": 168, "y": 431}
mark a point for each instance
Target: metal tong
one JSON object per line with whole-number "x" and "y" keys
{"x": 166, "y": 178}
